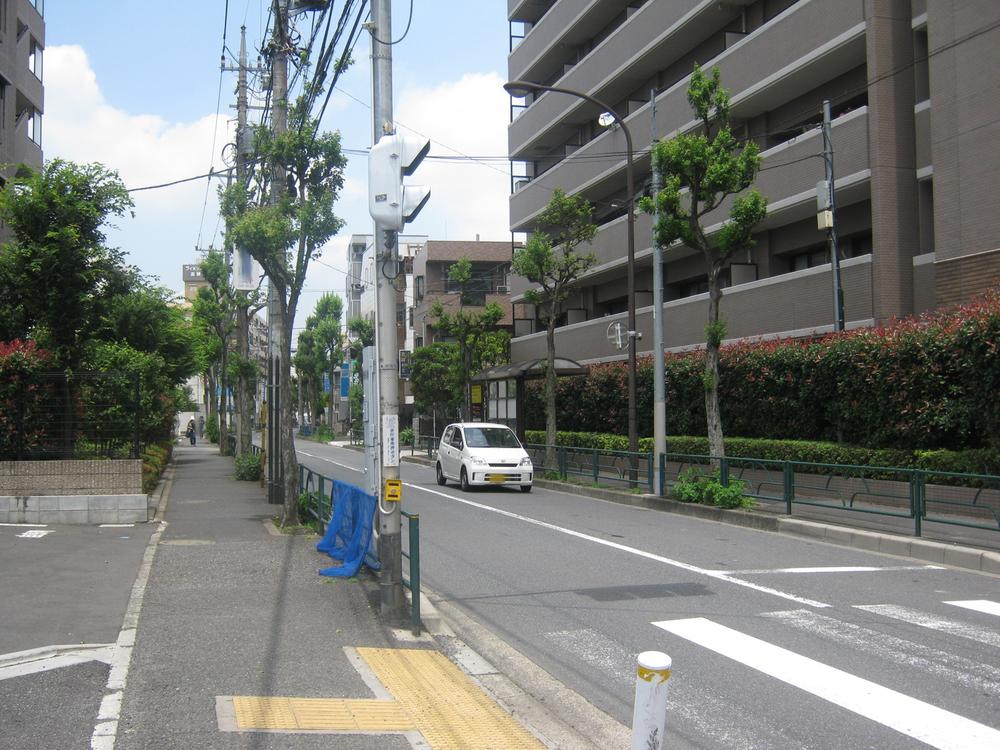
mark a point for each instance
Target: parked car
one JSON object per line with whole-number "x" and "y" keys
{"x": 480, "y": 454}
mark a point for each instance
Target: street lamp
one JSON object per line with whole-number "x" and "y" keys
{"x": 519, "y": 89}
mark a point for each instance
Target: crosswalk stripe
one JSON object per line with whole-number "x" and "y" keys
{"x": 909, "y": 716}
{"x": 941, "y": 624}
{"x": 956, "y": 669}
{"x": 979, "y": 605}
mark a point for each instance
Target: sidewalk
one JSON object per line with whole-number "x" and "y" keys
{"x": 239, "y": 643}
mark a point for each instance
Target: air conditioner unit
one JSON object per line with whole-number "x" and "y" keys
{"x": 503, "y": 289}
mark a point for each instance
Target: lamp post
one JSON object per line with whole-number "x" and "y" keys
{"x": 519, "y": 89}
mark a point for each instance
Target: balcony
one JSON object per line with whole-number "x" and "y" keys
{"x": 794, "y": 304}
{"x": 820, "y": 40}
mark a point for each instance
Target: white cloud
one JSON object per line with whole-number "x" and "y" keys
{"x": 467, "y": 117}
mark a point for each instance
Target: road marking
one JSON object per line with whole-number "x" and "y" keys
{"x": 955, "y": 669}
{"x": 909, "y": 716}
{"x": 979, "y": 605}
{"x": 35, "y": 533}
{"x": 715, "y": 574}
{"x": 832, "y": 569}
{"x": 942, "y": 624}
{"x": 427, "y": 693}
{"x": 25, "y": 525}
{"x": 52, "y": 657}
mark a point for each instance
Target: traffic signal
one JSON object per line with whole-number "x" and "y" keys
{"x": 390, "y": 202}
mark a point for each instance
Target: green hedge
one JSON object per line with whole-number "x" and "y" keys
{"x": 155, "y": 458}
{"x": 927, "y": 383}
{"x": 974, "y": 461}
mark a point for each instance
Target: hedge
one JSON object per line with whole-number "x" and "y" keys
{"x": 973, "y": 461}
{"x": 927, "y": 383}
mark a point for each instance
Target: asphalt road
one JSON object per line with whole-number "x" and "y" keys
{"x": 776, "y": 641}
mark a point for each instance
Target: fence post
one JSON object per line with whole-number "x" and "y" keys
{"x": 319, "y": 504}
{"x": 663, "y": 474}
{"x": 561, "y": 461}
{"x": 649, "y": 471}
{"x": 649, "y": 714}
{"x": 414, "y": 527}
{"x": 724, "y": 471}
{"x": 789, "y": 486}
{"x": 135, "y": 421}
{"x": 595, "y": 464}
{"x": 917, "y": 490}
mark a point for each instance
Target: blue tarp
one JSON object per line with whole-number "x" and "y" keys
{"x": 349, "y": 534}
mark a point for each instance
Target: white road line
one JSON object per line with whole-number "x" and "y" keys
{"x": 716, "y": 574}
{"x": 832, "y": 569}
{"x": 955, "y": 669}
{"x": 26, "y": 525}
{"x": 35, "y": 533}
{"x": 942, "y": 624}
{"x": 52, "y": 657}
{"x": 979, "y": 605}
{"x": 909, "y": 716}
{"x": 719, "y": 576}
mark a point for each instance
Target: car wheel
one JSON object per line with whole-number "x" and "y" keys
{"x": 525, "y": 488}
{"x": 441, "y": 480}
{"x": 464, "y": 481}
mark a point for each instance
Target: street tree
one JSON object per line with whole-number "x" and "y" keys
{"x": 550, "y": 260}
{"x": 284, "y": 227}
{"x": 57, "y": 274}
{"x": 309, "y": 368}
{"x": 469, "y": 328}
{"x": 436, "y": 378}
{"x": 700, "y": 170}
{"x": 215, "y": 314}
{"x": 329, "y": 338}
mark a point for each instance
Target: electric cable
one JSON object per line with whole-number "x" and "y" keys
{"x": 405, "y": 32}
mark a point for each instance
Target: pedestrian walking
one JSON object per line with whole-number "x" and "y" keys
{"x": 191, "y": 431}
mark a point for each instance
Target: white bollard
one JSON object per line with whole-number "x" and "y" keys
{"x": 649, "y": 717}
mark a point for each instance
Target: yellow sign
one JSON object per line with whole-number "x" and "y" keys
{"x": 476, "y": 394}
{"x": 393, "y": 490}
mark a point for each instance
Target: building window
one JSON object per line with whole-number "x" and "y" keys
{"x": 35, "y": 127}
{"x": 35, "y": 59}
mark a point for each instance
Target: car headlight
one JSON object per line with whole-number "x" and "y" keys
{"x": 526, "y": 461}
{"x": 477, "y": 460}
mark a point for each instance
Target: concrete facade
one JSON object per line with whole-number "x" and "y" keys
{"x": 22, "y": 96}
{"x": 913, "y": 90}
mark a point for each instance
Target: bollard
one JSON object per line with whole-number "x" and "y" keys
{"x": 649, "y": 717}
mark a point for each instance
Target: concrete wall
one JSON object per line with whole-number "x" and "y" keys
{"x": 111, "y": 477}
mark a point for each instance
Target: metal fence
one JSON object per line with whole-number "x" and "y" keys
{"x": 969, "y": 500}
{"x": 69, "y": 416}
{"x": 596, "y": 467}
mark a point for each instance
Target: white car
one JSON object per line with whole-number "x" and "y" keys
{"x": 479, "y": 453}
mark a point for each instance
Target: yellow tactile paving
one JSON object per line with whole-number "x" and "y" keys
{"x": 346, "y": 715}
{"x": 431, "y": 695}
{"x": 450, "y": 711}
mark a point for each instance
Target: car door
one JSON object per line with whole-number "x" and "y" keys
{"x": 457, "y": 444}
{"x": 446, "y": 452}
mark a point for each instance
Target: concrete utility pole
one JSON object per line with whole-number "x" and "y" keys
{"x": 386, "y": 264}
{"x": 831, "y": 229}
{"x": 279, "y": 123}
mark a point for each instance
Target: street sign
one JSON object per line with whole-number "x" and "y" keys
{"x": 390, "y": 440}
{"x": 404, "y": 364}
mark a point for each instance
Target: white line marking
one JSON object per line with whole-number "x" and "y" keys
{"x": 719, "y": 576}
{"x": 832, "y": 569}
{"x": 35, "y": 533}
{"x": 909, "y": 716}
{"x": 942, "y": 624}
{"x": 26, "y": 525}
{"x": 956, "y": 669}
{"x": 979, "y": 605}
{"x": 52, "y": 657}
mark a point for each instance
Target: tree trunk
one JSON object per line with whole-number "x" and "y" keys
{"x": 244, "y": 400}
{"x": 224, "y": 404}
{"x": 550, "y": 392}
{"x": 713, "y": 336}
{"x": 289, "y": 463}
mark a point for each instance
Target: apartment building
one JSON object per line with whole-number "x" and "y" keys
{"x": 915, "y": 118}
{"x": 22, "y": 41}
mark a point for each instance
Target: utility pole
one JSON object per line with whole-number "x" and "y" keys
{"x": 275, "y": 337}
{"x": 828, "y": 218}
{"x": 386, "y": 262}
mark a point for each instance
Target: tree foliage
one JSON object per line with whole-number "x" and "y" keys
{"x": 437, "y": 379}
{"x": 700, "y": 170}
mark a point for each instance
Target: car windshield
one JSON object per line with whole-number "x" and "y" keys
{"x": 491, "y": 437}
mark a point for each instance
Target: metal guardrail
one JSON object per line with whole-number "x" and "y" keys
{"x": 969, "y": 500}
{"x": 598, "y": 466}
{"x": 316, "y": 484}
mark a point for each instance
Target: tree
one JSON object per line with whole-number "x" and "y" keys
{"x": 469, "y": 329}
{"x": 550, "y": 260}
{"x": 215, "y": 313}
{"x": 700, "y": 170}
{"x": 437, "y": 379}
{"x": 309, "y": 367}
{"x": 57, "y": 274}
{"x": 329, "y": 338}
{"x": 284, "y": 229}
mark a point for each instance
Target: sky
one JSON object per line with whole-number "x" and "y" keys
{"x": 137, "y": 87}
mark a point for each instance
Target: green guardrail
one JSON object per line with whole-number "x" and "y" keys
{"x": 316, "y": 484}
{"x": 596, "y": 466}
{"x": 957, "y": 499}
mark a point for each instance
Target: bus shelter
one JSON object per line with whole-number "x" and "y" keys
{"x": 504, "y": 388}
